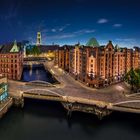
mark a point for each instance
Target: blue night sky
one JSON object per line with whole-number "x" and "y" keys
{"x": 70, "y": 21}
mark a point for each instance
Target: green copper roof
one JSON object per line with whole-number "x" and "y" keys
{"x": 15, "y": 48}
{"x": 93, "y": 43}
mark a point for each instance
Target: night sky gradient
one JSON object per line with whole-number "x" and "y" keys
{"x": 70, "y": 21}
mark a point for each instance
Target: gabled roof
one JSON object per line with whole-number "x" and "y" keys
{"x": 15, "y": 48}
{"x": 7, "y": 48}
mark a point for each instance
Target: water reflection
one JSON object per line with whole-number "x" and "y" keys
{"x": 36, "y": 72}
{"x": 30, "y": 71}
{"x": 48, "y": 120}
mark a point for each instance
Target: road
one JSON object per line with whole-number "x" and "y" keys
{"x": 69, "y": 87}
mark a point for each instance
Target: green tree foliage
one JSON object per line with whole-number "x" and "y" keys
{"x": 35, "y": 51}
{"x": 133, "y": 78}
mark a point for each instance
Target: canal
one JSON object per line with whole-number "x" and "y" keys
{"x": 43, "y": 120}
{"x": 37, "y": 72}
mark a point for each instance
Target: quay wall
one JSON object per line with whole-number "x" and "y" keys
{"x": 18, "y": 101}
{"x": 4, "y": 109}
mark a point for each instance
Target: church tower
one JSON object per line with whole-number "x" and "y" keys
{"x": 38, "y": 39}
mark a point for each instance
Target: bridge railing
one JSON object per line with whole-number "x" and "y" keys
{"x": 35, "y": 58}
{"x": 125, "y": 102}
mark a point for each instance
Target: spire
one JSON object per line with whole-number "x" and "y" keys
{"x": 15, "y": 42}
{"x": 15, "y": 47}
{"x": 38, "y": 39}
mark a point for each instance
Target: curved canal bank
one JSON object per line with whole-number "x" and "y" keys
{"x": 34, "y": 73}
{"x": 5, "y": 106}
{"x": 37, "y": 73}
{"x": 73, "y": 96}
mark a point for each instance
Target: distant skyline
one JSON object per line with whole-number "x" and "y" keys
{"x": 71, "y": 21}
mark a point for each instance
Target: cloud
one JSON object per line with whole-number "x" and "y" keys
{"x": 53, "y": 30}
{"x": 84, "y": 31}
{"x": 61, "y": 36}
{"x": 126, "y": 39}
{"x": 63, "y": 27}
{"x": 102, "y": 21}
{"x": 59, "y": 29}
{"x": 51, "y": 34}
{"x": 57, "y": 32}
{"x": 117, "y": 25}
{"x": 126, "y": 42}
{"x": 70, "y": 35}
{"x": 31, "y": 32}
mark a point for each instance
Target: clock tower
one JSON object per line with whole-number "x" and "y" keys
{"x": 38, "y": 43}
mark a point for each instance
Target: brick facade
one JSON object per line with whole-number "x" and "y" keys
{"x": 11, "y": 63}
{"x": 99, "y": 66}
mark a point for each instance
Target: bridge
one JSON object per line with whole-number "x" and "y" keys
{"x": 72, "y": 103}
{"x": 44, "y": 94}
{"x": 40, "y": 83}
{"x": 69, "y": 102}
{"x": 75, "y": 96}
{"x": 34, "y": 60}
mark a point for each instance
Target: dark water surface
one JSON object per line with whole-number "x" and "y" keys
{"x": 43, "y": 120}
{"x": 37, "y": 72}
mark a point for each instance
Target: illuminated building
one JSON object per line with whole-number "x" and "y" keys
{"x": 47, "y": 51}
{"x": 136, "y": 58}
{"x": 39, "y": 50}
{"x": 99, "y": 65}
{"x": 11, "y": 61}
{"x": 62, "y": 55}
{"x": 3, "y": 89}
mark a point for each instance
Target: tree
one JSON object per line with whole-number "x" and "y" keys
{"x": 137, "y": 72}
{"x": 133, "y": 78}
{"x": 33, "y": 51}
